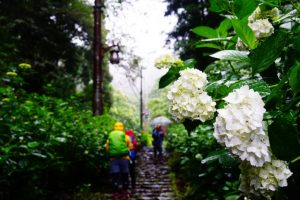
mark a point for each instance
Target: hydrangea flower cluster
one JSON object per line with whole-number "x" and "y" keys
{"x": 262, "y": 28}
{"x": 264, "y": 179}
{"x": 188, "y": 98}
{"x": 24, "y": 66}
{"x": 259, "y": 22}
{"x": 168, "y": 61}
{"x": 239, "y": 126}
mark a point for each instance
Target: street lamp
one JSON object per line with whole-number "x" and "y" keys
{"x": 98, "y": 54}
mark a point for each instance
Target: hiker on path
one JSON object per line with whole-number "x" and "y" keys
{"x": 118, "y": 146}
{"x": 132, "y": 153}
{"x": 158, "y": 135}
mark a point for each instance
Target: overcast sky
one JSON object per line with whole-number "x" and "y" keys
{"x": 147, "y": 27}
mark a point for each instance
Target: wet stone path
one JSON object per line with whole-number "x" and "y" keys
{"x": 153, "y": 182}
{"x": 152, "y": 178}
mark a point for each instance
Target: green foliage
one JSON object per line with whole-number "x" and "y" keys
{"x": 283, "y": 133}
{"x": 191, "y": 14}
{"x": 244, "y": 32}
{"x": 232, "y": 55}
{"x": 169, "y": 77}
{"x": 263, "y": 57}
{"x": 218, "y": 5}
{"x": 244, "y": 8}
{"x": 55, "y": 37}
{"x": 47, "y": 144}
{"x": 205, "y": 31}
{"x": 294, "y": 79}
{"x": 269, "y": 66}
{"x": 173, "y": 73}
{"x": 125, "y": 110}
{"x": 202, "y": 168}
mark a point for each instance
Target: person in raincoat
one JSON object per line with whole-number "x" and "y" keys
{"x": 133, "y": 154}
{"x": 158, "y": 137}
{"x": 118, "y": 146}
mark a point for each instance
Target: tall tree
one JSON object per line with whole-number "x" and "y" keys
{"x": 55, "y": 37}
{"x": 191, "y": 13}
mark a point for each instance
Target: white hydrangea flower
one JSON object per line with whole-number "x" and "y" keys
{"x": 262, "y": 28}
{"x": 188, "y": 98}
{"x": 265, "y": 179}
{"x": 168, "y": 61}
{"x": 239, "y": 126}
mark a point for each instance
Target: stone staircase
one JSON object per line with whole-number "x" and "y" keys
{"x": 152, "y": 181}
{"x": 152, "y": 178}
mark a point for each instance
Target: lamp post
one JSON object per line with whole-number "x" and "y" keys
{"x": 141, "y": 99}
{"x": 98, "y": 54}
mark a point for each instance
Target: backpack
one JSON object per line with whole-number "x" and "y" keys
{"x": 117, "y": 144}
{"x": 132, "y": 153}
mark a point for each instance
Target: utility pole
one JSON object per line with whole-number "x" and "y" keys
{"x": 141, "y": 99}
{"x": 97, "y": 55}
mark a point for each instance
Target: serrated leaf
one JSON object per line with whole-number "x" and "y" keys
{"x": 294, "y": 79}
{"x": 265, "y": 55}
{"x": 232, "y": 55}
{"x": 244, "y": 32}
{"x": 259, "y": 86}
{"x": 283, "y": 136}
{"x": 244, "y": 8}
{"x": 217, "y": 91}
{"x": 205, "y": 31}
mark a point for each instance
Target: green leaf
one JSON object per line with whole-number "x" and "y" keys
{"x": 39, "y": 155}
{"x": 244, "y": 8}
{"x": 169, "y": 77}
{"x": 294, "y": 79}
{"x": 228, "y": 39}
{"x": 205, "y": 31}
{"x": 276, "y": 92}
{"x": 227, "y": 160}
{"x": 244, "y": 32}
{"x": 259, "y": 86}
{"x": 265, "y": 54}
{"x": 33, "y": 145}
{"x": 232, "y": 55}
{"x": 213, "y": 156}
{"x": 233, "y": 197}
{"x": 283, "y": 136}
{"x": 219, "y": 5}
{"x": 217, "y": 91}
{"x": 189, "y": 63}
{"x": 271, "y": 3}
{"x": 208, "y": 45}
{"x": 174, "y": 74}
{"x": 210, "y": 159}
{"x": 223, "y": 28}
